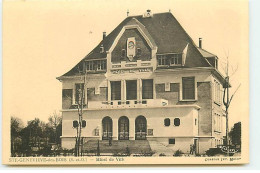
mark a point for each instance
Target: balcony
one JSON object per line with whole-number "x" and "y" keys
{"x": 127, "y": 104}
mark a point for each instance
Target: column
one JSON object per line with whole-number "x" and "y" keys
{"x": 108, "y": 91}
{"x": 123, "y": 91}
{"x": 132, "y": 128}
{"x": 115, "y": 129}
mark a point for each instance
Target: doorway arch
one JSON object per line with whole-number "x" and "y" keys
{"x": 140, "y": 128}
{"x": 123, "y": 128}
{"x": 107, "y": 126}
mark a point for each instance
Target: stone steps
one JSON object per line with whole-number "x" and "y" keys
{"x": 160, "y": 148}
{"x": 118, "y": 146}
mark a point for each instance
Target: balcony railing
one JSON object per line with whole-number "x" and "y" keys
{"x": 127, "y": 104}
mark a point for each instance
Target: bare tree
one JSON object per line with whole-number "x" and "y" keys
{"x": 227, "y": 99}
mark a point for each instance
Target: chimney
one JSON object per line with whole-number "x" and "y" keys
{"x": 104, "y": 35}
{"x": 200, "y": 43}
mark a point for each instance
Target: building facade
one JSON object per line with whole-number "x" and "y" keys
{"x": 147, "y": 80}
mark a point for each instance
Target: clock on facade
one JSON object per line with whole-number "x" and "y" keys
{"x": 131, "y": 44}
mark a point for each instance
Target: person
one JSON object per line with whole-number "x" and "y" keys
{"x": 110, "y": 141}
{"x": 191, "y": 148}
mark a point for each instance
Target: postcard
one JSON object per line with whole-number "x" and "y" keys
{"x": 125, "y": 82}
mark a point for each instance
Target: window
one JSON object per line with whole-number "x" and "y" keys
{"x": 123, "y": 53}
{"x": 102, "y": 49}
{"x": 90, "y": 65}
{"x": 162, "y": 60}
{"x": 172, "y": 141}
{"x": 176, "y": 121}
{"x": 96, "y": 132}
{"x": 115, "y": 90}
{"x": 79, "y": 93}
{"x": 167, "y": 122}
{"x": 101, "y": 65}
{"x": 150, "y": 132}
{"x": 217, "y": 92}
{"x": 131, "y": 90}
{"x": 147, "y": 89}
{"x": 175, "y": 59}
{"x": 217, "y": 123}
{"x": 139, "y": 52}
{"x": 188, "y": 88}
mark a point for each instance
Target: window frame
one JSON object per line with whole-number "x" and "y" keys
{"x": 175, "y": 122}
{"x": 174, "y": 60}
{"x": 146, "y": 90}
{"x": 160, "y": 59}
{"x": 171, "y": 139}
{"x": 111, "y": 97}
{"x": 182, "y": 91}
{"x": 168, "y": 119}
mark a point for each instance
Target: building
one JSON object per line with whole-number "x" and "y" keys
{"x": 147, "y": 80}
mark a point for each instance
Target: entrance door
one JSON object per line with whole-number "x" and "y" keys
{"x": 123, "y": 128}
{"x": 107, "y": 128}
{"x": 140, "y": 128}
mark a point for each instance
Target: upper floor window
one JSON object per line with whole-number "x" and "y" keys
{"x": 101, "y": 65}
{"x": 162, "y": 60}
{"x": 147, "y": 89}
{"x": 90, "y": 65}
{"x": 217, "y": 92}
{"x": 79, "y": 93}
{"x": 131, "y": 90}
{"x": 175, "y": 59}
{"x": 115, "y": 90}
{"x": 96, "y": 65}
{"x": 188, "y": 88}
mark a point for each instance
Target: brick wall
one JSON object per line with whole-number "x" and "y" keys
{"x": 102, "y": 96}
{"x": 122, "y": 43}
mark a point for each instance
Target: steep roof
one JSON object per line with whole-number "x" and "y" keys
{"x": 166, "y": 32}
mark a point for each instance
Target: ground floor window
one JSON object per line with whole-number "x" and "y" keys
{"x": 172, "y": 141}
{"x": 167, "y": 122}
{"x": 177, "y": 121}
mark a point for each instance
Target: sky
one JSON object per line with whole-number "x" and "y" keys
{"x": 44, "y": 39}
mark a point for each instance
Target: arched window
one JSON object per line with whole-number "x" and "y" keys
{"x": 167, "y": 122}
{"x": 176, "y": 121}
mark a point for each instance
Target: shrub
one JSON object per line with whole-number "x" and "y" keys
{"x": 178, "y": 153}
{"x": 162, "y": 154}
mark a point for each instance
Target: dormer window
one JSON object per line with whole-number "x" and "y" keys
{"x": 101, "y": 65}
{"x": 162, "y": 60}
{"x": 102, "y": 49}
{"x": 123, "y": 53}
{"x": 175, "y": 60}
{"x": 139, "y": 52}
{"x": 90, "y": 65}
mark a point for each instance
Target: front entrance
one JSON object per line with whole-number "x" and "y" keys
{"x": 140, "y": 128}
{"x": 123, "y": 128}
{"x": 107, "y": 125}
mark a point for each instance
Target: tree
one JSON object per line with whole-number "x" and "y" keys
{"x": 52, "y": 126}
{"x": 235, "y": 134}
{"x": 16, "y": 127}
{"x": 227, "y": 99}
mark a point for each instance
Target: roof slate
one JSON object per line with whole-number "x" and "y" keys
{"x": 166, "y": 33}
